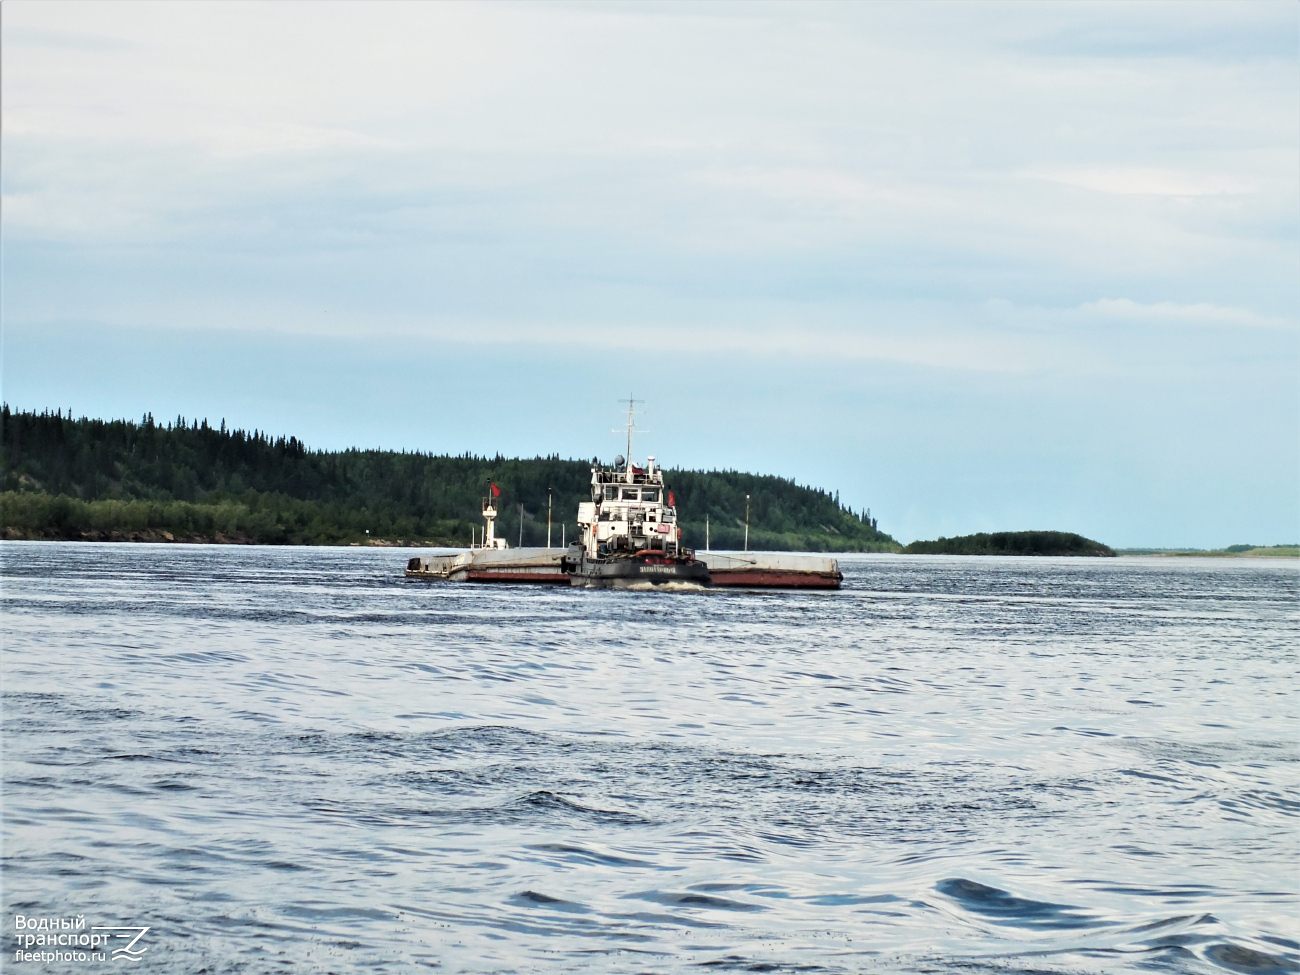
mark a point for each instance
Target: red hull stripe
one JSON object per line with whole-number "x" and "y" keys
{"x": 552, "y": 577}
{"x": 759, "y": 578}
{"x": 751, "y": 579}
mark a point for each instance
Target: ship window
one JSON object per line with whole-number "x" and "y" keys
{"x": 629, "y": 494}
{"x": 649, "y": 494}
{"x": 611, "y": 492}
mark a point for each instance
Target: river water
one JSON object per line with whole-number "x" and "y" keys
{"x": 291, "y": 759}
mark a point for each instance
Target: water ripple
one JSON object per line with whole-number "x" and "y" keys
{"x": 297, "y": 760}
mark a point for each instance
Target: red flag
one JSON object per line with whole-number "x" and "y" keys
{"x": 671, "y": 502}
{"x": 496, "y": 491}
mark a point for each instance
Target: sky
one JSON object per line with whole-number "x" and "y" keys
{"x": 975, "y": 266}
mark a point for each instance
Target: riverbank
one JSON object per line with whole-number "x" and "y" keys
{"x": 158, "y": 537}
{"x": 1232, "y": 552}
{"x": 260, "y": 519}
{"x": 74, "y": 479}
{"x": 256, "y": 519}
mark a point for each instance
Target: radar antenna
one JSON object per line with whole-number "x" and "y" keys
{"x": 631, "y": 425}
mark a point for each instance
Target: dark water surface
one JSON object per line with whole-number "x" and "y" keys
{"x": 295, "y": 760}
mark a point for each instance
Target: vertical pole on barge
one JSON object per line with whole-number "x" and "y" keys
{"x": 747, "y": 523}
{"x": 548, "y": 518}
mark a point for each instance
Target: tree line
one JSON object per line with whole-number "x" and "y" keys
{"x": 62, "y": 477}
{"x": 1011, "y": 543}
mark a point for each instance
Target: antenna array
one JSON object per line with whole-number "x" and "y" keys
{"x": 631, "y": 424}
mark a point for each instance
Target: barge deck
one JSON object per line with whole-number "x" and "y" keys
{"x": 727, "y": 570}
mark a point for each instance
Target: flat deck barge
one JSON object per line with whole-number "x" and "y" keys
{"x": 771, "y": 570}
{"x": 727, "y": 570}
{"x": 540, "y": 565}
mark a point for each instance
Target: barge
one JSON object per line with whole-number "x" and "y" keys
{"x": 771, "y": 570}
{"x": 536, "y": 565}
{"x": 727, "y": 570}
{"x": 630, "y": 540}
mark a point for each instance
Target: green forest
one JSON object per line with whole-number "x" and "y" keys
{"x": 1011, "y": 543}
{"x": 185, "y": 480}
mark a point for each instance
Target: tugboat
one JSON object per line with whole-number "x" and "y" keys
{"x": 630, "y": 537}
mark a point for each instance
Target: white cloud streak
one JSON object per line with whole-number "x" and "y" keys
{"x": 1200, "y": 313}
{"x": 1149, "y": 182}
{"x": 670, "y": 155}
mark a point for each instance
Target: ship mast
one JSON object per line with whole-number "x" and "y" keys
{"x": 631, "y": 425}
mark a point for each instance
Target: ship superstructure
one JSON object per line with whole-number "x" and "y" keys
{"x": 630, "y": 511}
{"x": 629, "y": 532}
{"x": 629, "y": 529}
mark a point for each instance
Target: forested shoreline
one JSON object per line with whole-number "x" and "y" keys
{"x": 186, "y": 480}
{"x": 1012, "y": 543}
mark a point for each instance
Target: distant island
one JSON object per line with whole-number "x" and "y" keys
{"x": 1232, "y": 551}
{"x": 119, "y": 480}
{"x": 1012, "y": 543}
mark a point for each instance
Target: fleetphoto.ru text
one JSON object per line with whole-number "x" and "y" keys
{"x": 63, "y": 939}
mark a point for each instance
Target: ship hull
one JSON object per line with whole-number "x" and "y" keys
{"x": 633, "y": 573}
{"x": 764, "y": 579}
{"x": 771, "y": 570}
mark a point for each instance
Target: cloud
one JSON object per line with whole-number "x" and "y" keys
{"x": 643, "y": 162}
{"x": 826, "y": 196}
{"x": 1193, "y": 314}
{"x": 794, "y": 342}
{"x": 1148, "y": 182}
{"x": 1206, "y": 31}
